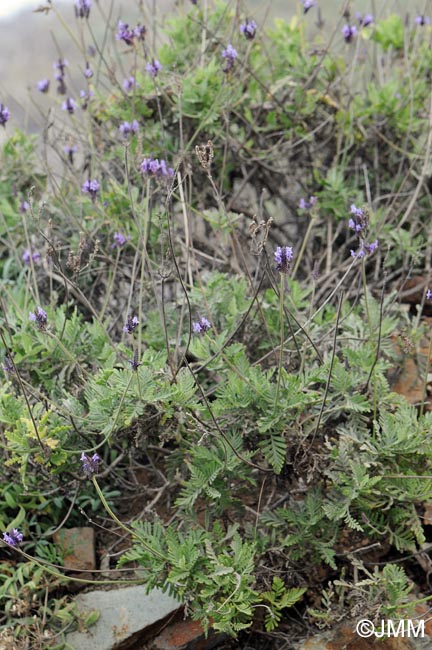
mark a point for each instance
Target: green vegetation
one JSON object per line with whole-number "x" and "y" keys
{"x": 202, "y": 301}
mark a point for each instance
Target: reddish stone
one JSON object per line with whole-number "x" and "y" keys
{"x": 186, "y": 635}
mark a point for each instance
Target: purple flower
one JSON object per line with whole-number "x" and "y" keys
{"x": 422, "y": 20}
{"x": 131, "y": 324}
{"x": 24, "y": 206}
{"x": 119, "y": 240}
{"x": 305, "y": 205}
{"x": 365, "y": 248}
{"x": 86, "y": 96}
{"x": 91, "y": 187}
{"x": 154, "y": 167}
{"x": 13, "y": 537}
{"x": 230, "y": 54}
{"x": 4, "y": 114}
{"x": 134, "y": 363}
{"x": 69, "y": 105}
{"x": 360, "y": 253}
{"x": 201, "y": 326}
{"x": 365, "y": 20}
{"x": 43, "y": 85}
{"x": 249, "y": 29}
{"x": 61, "y": 65}
{"x": 283, "y": 256}
{"x": 129, "y": 84}
{"x": 126, "y": 128}
{"x": 82, "y": 8}
{"x": 360, "y": 222}
{"x": 90, "y": 465}
{"x": 124, "y": 33}
{"x": 39, "y": 317}
{"x": 308, "y": 4}
{"x": 349, "y": 32}
{"x": 69, "y": 151}
{"x": 428, "y": 294}
{"x": 371, "y": 248}
{"x": 29, "y": 255}
{"x": 153, "y": 67}
{"x": 88, "y": 73}
{"x": 357, "y": 211}
{"x": 140, "y": 32}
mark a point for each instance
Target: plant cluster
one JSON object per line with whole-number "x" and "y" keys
{"x": 195, "y": 347}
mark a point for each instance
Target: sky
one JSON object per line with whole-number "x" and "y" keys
{"x": 9, "y": 7}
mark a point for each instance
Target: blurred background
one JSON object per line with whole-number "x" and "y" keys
{"x": 34, "y": 33}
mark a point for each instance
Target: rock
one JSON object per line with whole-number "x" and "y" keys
{"x": 186, "y": 635}
{"x": 126, "y": 615}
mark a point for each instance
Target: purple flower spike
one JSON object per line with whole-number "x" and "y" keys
{"x": 127, "y": 34}
{"x": 283, "y": 256}
{"x": 119, "y": 240}
{"x": 28, "y": 255}
{"x": 129, "y": 84}
{"x": 422, "y": 20}
{"x": 428, "y": 294}
{"x": 24, "y": 206}
{"x": 249, "y": 29}
{"x": 90, "y": 465}
{"x": 359, "y": 222}
{"x": 69, "y": 151}
{"x": 154, "y": 167}
{"x": 82, "y": 8}
{"x": 43, "y": 85}
{"x": 69, "y": 105}
{"x": 4, "y": 114}
{"x": 308, "y": 4}
{"x": 86, "y": 96}
{"x": 134, "y": 363}
{"x": 91, "y": 187}
{"x": 305, "y": 205}
{"x": 60, "y": 65}
{"x": 229, "y": 54}
{"x": 124, "y": 33}
{"x": 349, "y": 32}
{"x": 201, "y": 326}
{"x": 88, "y": 73}
{"x": 371, "y": 248}
{"x": 131, "y": 324}
{"x": 153, "y": 67}
{"x": 13, "y": 537}
{"x": 140, "y": 32}
{"x": 39, "y": 317}
{"x": 127, "y": 128}
{"x": 365, "y": 20}
{"x": 365, "y": 248}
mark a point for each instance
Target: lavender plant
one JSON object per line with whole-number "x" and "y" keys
{"x": 173, "y": 306}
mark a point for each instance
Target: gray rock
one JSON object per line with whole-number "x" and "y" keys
{"x": 124, "y": 615}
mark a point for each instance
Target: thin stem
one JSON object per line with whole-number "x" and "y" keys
{"x": 282, "y": 337}
{"x": 128, "y": 530}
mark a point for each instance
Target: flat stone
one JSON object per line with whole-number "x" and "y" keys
{"x": 78, "y": 546}
{"x": 186, "y": 635}
{"x": 124, "y": 616}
